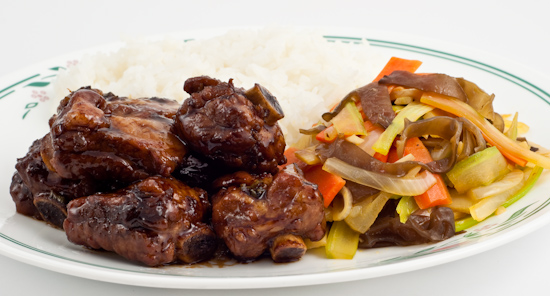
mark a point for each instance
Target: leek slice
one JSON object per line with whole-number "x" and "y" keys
{"x": 342, "y": 241}
{"x": 406, "y": 206}
{"x": 461, "y": 202}
{"x": 349, "y": 121}
{"x": 478, "y": 169}
{"x": 384, "y": 182}
{"x": 527, "y": 186}
{"x": 316, "y": 244}
{"x": 397, "y": 108}
{"x": 465, "y": 223}
{"x": 487, "y": 206}
{"x": 508, "y": 182}
{"x": 412, "y": 112}
{"x": 533, "y": 177}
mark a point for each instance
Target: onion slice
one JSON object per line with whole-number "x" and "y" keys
{"x": 384, "y": 182}
{"x": 341, "y": 205}
{"x": 363, "y": 214}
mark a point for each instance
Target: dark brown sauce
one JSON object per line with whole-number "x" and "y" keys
{"x": 216, "y": 262}
{"x": 223, "y": 259}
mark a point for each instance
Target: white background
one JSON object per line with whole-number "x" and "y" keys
{"x": 31, "y": 31}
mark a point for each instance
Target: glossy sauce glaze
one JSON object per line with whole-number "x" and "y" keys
{"x": 135, "y": 176}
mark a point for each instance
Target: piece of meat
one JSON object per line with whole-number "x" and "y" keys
{"x": 198, "y": 171}
{"x": 22, "y": 197}
{"x": 287, "y": 248}
{"x": 110, "y": 138}
{"x": 253, "y": 214}
{"x": 155, "y": 221}
{"x": 33, "y": 179}
{"x": 39, "y": 179}
{"x": 221, "y": 123}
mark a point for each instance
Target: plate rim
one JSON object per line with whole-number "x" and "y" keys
{"x": 186, "y": 282}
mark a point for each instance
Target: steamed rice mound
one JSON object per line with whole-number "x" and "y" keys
{"x": 302, "y": 69}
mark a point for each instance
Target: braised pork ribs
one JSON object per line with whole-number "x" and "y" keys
{"x": 160, "y": 182}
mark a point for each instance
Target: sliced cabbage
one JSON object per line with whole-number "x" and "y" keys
{"x": 364, "y": 213}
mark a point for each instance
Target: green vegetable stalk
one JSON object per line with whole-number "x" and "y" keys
{"x": 465, "y": 223}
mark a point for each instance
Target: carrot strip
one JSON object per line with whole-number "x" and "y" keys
{"x": 437, "y": 194}
{"x": 415, "y": 147}
{"x": 369, "y": 126}
{"x": 290, "y": 154}
{"x": 328, "y": 184}
{"x": 392, "y": 155}
{"x": 381, "y": 157}
{"x": 391, "y": 87}
{"x": 513, "y": 158}
{"x": 327, "y": 135}
{"x": 396, "y": 63}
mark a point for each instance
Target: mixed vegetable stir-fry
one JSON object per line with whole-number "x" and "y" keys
{"x": 414, "y": 158}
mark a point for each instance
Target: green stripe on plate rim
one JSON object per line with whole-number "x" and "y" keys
{"x": 14, "y": 85}
{"x": 545, "y": 96}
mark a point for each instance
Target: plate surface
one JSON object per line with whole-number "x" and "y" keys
{"x": 25, "y": 109}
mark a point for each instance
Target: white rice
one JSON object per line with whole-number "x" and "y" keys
{"x": 302, "y": 69}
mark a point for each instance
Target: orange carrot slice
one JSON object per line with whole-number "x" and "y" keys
{"x": 396, "y": 63}
{"x": 328, "y": 184}
{"x": 437, "y": 194}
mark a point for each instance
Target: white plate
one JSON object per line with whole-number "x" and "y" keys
{"x": 24, "y": 112}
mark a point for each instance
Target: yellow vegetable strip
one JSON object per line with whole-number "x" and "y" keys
{"x": 349, "y": 121}
{"x": 342, "y": 241}
{"x": 512, "y": 131}
{"x": 508, "y": 147}
{"x": 522, "y": 127}
{"x": 412, "y": 112}
{"x": 406, "y": 206}
{"x": 461, "y": 202}
{"x": 316, "y": 244}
